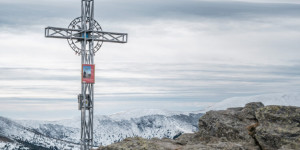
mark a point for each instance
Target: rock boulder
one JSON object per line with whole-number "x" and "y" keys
{"x": 253, "y": 127}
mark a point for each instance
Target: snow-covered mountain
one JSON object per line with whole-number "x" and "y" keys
{"x": 16, "y": 136}
{"x": 286, "y": 99}
{"x": 65, "y": 134}
{"x": 107, "y": 129}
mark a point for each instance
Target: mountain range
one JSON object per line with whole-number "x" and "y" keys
{"x": 65, "y": 134}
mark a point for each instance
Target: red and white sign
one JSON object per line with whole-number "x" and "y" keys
{"x": 88, "y": 73}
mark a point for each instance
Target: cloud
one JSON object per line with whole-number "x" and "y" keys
{"x": 32, "y": 12}
{"x": 263, "y": 1}
{"x": 179, "y": 52}
{"x": 56, "y": 110}
{"x": 155, "y": 81}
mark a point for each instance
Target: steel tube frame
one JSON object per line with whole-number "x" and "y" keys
{"x": 65, "y": 33}
{"x": 87, "y": 57}
{"x": 91, "y": 28}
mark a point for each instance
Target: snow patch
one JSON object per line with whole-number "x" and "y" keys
{"x": 285, "y": 99}
{"x": 137, "y": 113}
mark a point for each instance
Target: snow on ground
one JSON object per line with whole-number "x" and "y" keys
{"x": 11, "y": 146}
{"x": 146, "y": 123}
{"x": 286, "y": 99}
{"x": 137, "y": 113}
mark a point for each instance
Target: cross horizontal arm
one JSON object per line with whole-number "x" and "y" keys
{"x": 65, "y": 33}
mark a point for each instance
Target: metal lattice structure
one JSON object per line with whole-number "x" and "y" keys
{"x": 85, "y": 37}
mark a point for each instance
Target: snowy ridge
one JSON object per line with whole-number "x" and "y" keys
{"x": 286, "y": 99}
{"x": 65, "y": 134}
{"x": 107, "y": 129}
{"x": 147, "y": 123}
{"x": 17, "y": 136}
{"x": 137, "y": 113}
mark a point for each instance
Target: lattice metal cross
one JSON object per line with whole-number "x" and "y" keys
{"x": 85, "y": 37}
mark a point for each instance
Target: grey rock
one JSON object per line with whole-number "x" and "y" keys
{"x": 279, "y": 127}
{"x": 230, "y": 124}
{"x": 253, "y": 127}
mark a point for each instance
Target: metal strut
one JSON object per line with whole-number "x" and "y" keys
{"x": 87, "y": 57}
{"x": 65, "y": 33}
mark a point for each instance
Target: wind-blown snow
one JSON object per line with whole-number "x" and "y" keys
{"x": 286, "y": 99}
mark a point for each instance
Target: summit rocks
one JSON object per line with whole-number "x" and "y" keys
{"x": 279, "y": 127}
{"x": 253, "y": 127}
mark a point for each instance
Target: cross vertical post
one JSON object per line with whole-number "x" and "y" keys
{"x": 85, "y": 37}
{"x": 87, "y": 57}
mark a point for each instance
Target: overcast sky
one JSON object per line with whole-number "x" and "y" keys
{"x": 181, "y": 55}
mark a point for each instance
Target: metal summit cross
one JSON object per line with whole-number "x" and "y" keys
{"x": 85, "y": 37}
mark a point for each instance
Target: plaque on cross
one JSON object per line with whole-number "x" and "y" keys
{"x": 85, "y": 37}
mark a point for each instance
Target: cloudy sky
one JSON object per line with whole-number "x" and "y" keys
{"x": 182, "y": 55}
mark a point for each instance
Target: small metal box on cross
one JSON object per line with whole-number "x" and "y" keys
{"x": 85, "y": 37}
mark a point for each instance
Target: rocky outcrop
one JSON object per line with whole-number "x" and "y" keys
{"x": 279, "y": 127}
{"x": 253, "y": 127}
